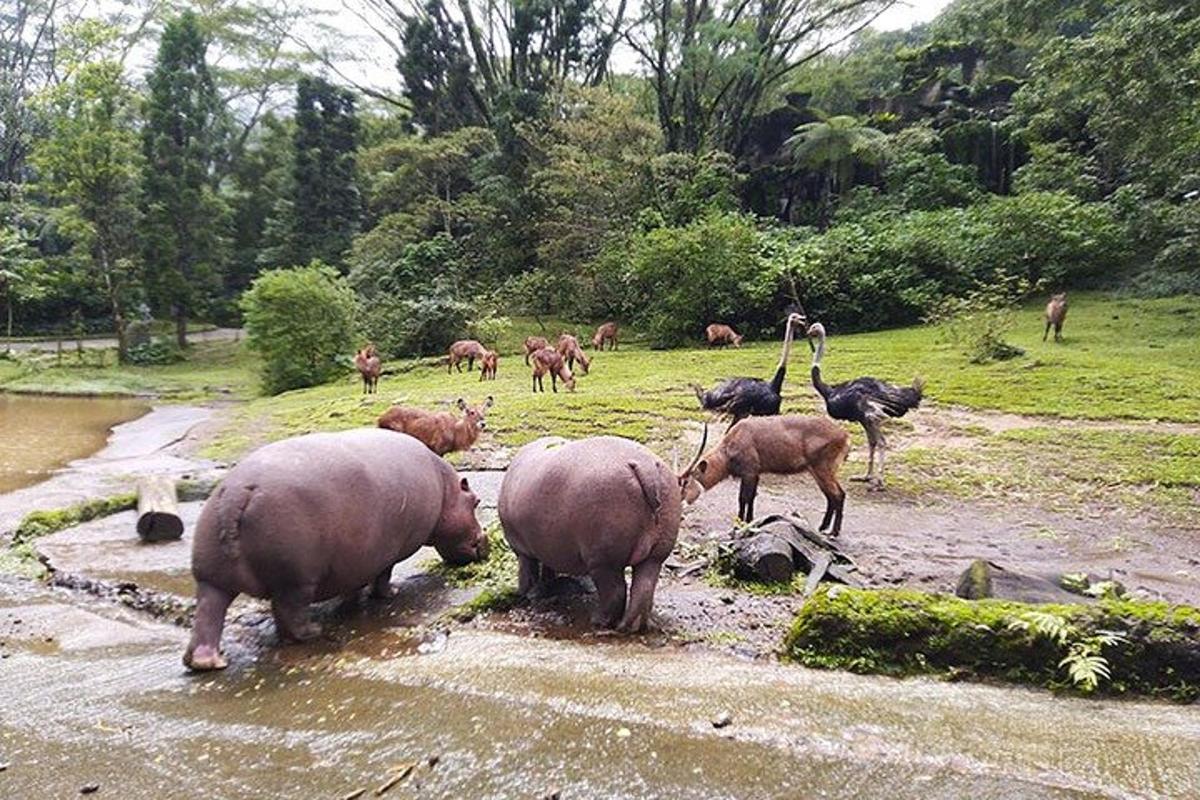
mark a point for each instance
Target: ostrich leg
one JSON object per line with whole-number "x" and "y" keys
{"x": 871, "y": 426}
{"x": 877, "y": 484}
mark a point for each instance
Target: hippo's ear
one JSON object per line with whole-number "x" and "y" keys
{"x": 702, "y": 466}
{"x": 489, "y": 402}
{"x": 466, "y": 487}
{"x": 462, "y": 404}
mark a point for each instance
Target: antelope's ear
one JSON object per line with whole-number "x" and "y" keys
{"x": 489, "y": 402}
{"x": 462, "y": 404}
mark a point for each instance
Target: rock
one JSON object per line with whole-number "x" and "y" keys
{"x": 722, "y": 720}
{"x": 983, "y": 579}
{"x": 89, "y": 788}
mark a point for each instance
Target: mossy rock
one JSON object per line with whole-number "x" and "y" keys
{"x": 903, "y": 632}
{"x": 36, "y": 524}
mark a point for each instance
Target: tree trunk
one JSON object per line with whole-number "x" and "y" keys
{"x": 8, "y": 327}
{"x": 181, "y": 321}
{"x": 158, "y": 509}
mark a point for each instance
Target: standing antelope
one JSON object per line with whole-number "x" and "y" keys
{"x": 465, "y": 349}
{"x": 547, "y": 360}
{"x": 532, "y": 345}
{"x": 1056, "y": 312}
{"x": 722, "y": 335}
{"x": 569, "y": 349}
{"x": 440, "y": 431}
{"x": 487, "y": 367}
{"x": 786, "y": 445}
{"x": 368, "y": 364}
{"x": 606, "y": 333}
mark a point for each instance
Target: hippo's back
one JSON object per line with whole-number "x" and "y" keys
{"x": 329, "y": 509}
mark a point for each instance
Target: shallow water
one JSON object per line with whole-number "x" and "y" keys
{"x": 522, "y": 717}
{"x": 39, "y": 433}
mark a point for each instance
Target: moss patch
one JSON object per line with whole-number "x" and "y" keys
{"x": 43, "y": 523}
{"x": 497, "y": 573}
{"x": 901, "y": 632}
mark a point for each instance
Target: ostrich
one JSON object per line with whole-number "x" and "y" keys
{"x": 867, "y": 401}
{"x": 744, "y": 397}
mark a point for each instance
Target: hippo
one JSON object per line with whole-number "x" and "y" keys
{"x": 321, "y": 516}
{"x": 592, "y": 507}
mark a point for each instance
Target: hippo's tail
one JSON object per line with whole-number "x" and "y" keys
{"x": 231, "y": 505}
{"x": 652, "y": 491}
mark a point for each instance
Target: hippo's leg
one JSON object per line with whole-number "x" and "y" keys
{"x": 528, "y": 574}
{"x": 641, "y": 597}
{"x": 382, "y": 587}
{"x": 610, "y": 591}
{"x": 204, "y": 650}
{"x": 292, "y": 619}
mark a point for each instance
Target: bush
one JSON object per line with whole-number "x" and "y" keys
{"x": 161, "y": 350}
{"x": 428, "y": 325}
{"x": 686, "y": 277}
{"x": 300, "y": 321}
{"x": 980, "y": 321}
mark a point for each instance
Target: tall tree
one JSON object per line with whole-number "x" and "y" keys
{"x": 89, "y": 161}
{"x": 323, "y": 207}
{"x": 184, "y": 218}
{"x": 714, "y": 67}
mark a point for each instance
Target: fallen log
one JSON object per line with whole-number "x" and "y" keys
{"x": 762, "y": 557}
{"x": 774, "y": 547}
{"x": 158, "y": 510}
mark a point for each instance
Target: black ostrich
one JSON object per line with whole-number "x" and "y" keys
{"x": 867, "y": 401}
{"x": 744, "y": 397}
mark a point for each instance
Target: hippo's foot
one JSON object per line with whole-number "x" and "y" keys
{"x": 381, "y": 588}
{"x": 204, "y": 658}
{"x": 610, "y": 591}
{"x": 293, "y": 623}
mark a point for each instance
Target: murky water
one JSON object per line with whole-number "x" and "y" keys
{"x": 520, "y": 717}
{"x": 39, "y": 434}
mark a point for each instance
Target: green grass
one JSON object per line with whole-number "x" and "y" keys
{"x": 1122, "y": 358}
{"x": 211, "y": 370}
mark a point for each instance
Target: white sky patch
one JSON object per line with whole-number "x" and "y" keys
{"x": 906, "y": 14}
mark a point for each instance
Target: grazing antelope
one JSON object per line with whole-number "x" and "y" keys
{"x": 487, "y": 367}
{"x": 1056, "y": 312}
{"x": 440, "y": 431}
{"x": 465, "y": 350}
{"x": 547, "y": 360}
{"x": 786, "y": 445}
{"x": 569, "y": 349}
{"x": 722, "y": 335}
{"x": 532, "y": 345}
{"x": 606, "y": 333}
{"x": 368, "y": 364}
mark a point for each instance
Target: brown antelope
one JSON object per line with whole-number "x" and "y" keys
{"x": 532, "y": 345}
{"x": 605, "y": 333}
{"x": 569, "y": 349}
{"x": 1056, "y": 312}
{"x": 368, "y": 364}
{"x": 547, "y": 360}
{"x": 786, "y": 445}
{"x": 465, "y": 350}
{"x": 487, "y": 367}
{"x": 722, "y": 335}
{"x": 440, "y": 431}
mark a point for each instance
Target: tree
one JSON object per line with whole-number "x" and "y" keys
{"x": 713, "y": 68}
{"x": 184, "y": 218}
{"x": 89, "y": 161}
{"x": 300, "y": 320}
{"x": 19, "y": 276}
{"x": 325, "y": 204}
{"x": 834, "y": 147}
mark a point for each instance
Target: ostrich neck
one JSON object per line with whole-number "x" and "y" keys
{"x": 787, "y": 346}
{"x": 820, "y": 351}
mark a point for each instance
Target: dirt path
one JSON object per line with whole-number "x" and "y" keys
{"x": 109, "y": 343}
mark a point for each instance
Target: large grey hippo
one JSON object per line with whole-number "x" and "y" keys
{"x": 592, "y": 507}
{"x": 319, "y": 516}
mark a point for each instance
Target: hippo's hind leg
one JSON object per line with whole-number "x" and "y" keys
{"x": 641, "y": 597}
{"x": 610, "y": 590}
{"x": 291, "y": 613}
{"x": 529, "y": 572}
{"x": 204, "y": 650}
{"x": 381, "y": 587}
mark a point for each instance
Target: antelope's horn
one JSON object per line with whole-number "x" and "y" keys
{"x": 699, "y": 454}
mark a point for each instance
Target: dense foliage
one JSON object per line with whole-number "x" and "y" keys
{"x": 740, "y": 169}
{"x": 301, "y": 321}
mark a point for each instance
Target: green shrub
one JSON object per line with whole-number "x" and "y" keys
{"x": 426, "y": 325}
{"x": 301, "y": 321}
{"x": 1146, "y": 647}
{"x": 686, "y": 277}
{"x": 161, "y": 350}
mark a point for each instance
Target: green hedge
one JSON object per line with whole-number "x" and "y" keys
{"x": 903, "y": 632}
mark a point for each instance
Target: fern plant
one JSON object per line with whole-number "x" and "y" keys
{"x": 1085, "y": 662}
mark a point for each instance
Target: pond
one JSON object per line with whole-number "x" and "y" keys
{"x": 41, "y": 433}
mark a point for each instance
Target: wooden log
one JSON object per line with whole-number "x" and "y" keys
{"x": 762, "y": 557}
{"x": 158, "y": 510}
